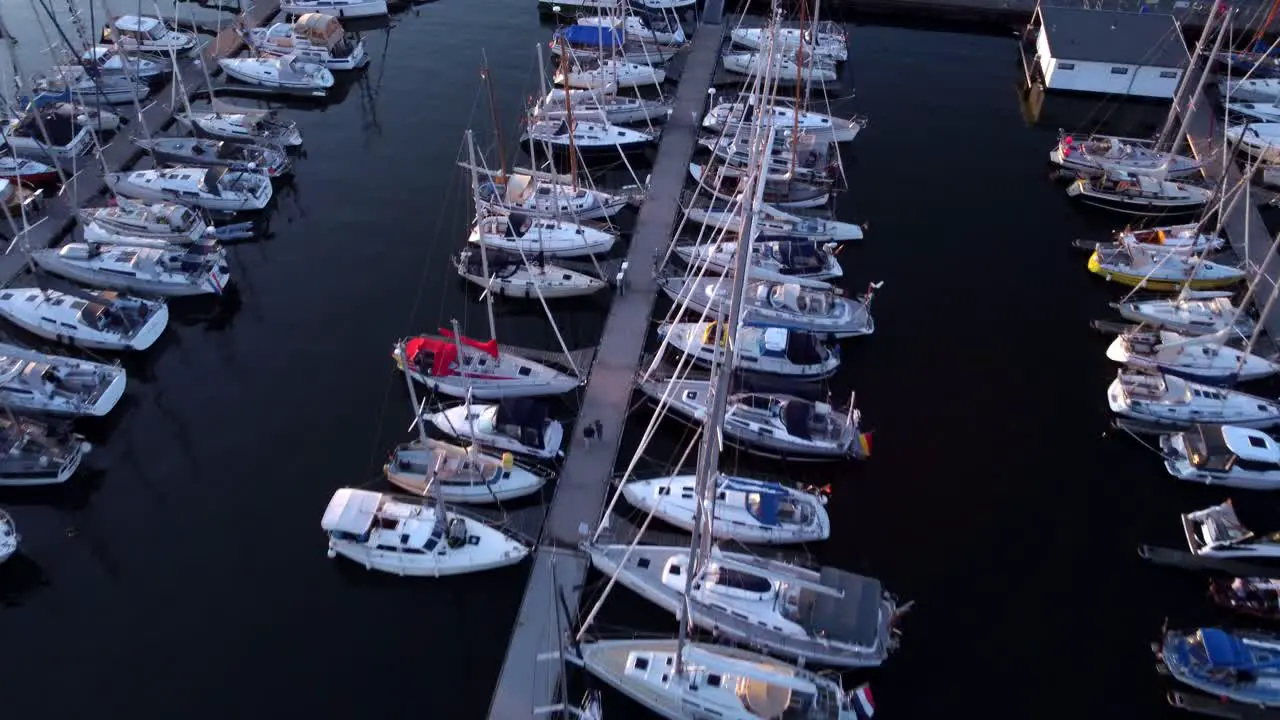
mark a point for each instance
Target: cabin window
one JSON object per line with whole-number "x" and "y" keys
{"x": 642, "y": 563}
{"x": 30, "y": 298}
{"x": 664, "y": 491}
{"x": 6, "y": 296}
{"x": 1119, "y": 71}
{"x": 673, "y": 570}
{"x": 1257, "y": 442}
{"x": 1066, "y": 66}
{"x": 525, "y": 371}
{"x": 1168, "y": 74}
{"x": 641, "y": 663}
{"x": 713, "y": 680}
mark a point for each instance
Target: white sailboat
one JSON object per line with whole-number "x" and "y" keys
{"x": 1163, "y": 399}
{"x": 167, "y": 222}
{"x": 781, "y": 260}
{"x": 531, "y": 235}
{"x": 746, "y": 510}
{"x": 775, "y": 222}
{"x": 813, "y": 307}
{"x": 457, "y": 366}
{"x": 284, "y": 72}
{"x": 596, "y": 74}
{"x": 791, "y": 68}
{"x": 1191, "y": 313}
{"x": 35, "y": 453}
{"x": 761, "y": 350}
{"x": 458, "y": 474}
{"x": 97, "y": 321}
{"x": 731, "y": 117}
{"x": 336, "y": 8}
{"x": 825, "y": 39}
{"x": 57, "y": 385}
{"x": 520, "y": 426}
{"x": 239, "y": 124}
{"x": 218, "y": 188}
{"x": 145, "y": 270}
{"x": 508, "y": 274}
{"x": 1201, "y": 358}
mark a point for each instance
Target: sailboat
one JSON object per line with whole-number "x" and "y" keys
{"x": 459, "y": 475}
{"x": 57, "y": 385}
{"x": 730, "y": 116}
{"x": 1139, "y": 194}
{"x": 451, "y": 364}
{"x": 774, "y": 222}
{"x": 825, "y": 39}
{"x": 508, "y": 274}
{"x": 93, "y": 320}
{"x": 517, "y": 425}
{"x": 9, "y": 537}
{"x": 530, "y": 235}
{"x": 780, "y": 259}
{"x": 761, "y": 350}
{"x": 746, "y": 510}
{"x": 1201, "y": 358}
{"x": 1153, "y": 268}
{"x": 35, "y": 453}
{"x": 814, "y": 307}
{"x": 240, "y": 124}
{"x": 1191, "y": 313}
{"x": 598, "y": 74}
{"x": 1167, "y": 400}
{"x": 142, "y": 34}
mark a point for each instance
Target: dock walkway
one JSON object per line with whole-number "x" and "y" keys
{"x": 1248, "y": 235}
{"x": 58, "y": 219}
{"x": 531, "y": 671}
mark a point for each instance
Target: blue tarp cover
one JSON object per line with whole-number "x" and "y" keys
{"x": 1224, "y": 650}
{"x": 592, "y": 35}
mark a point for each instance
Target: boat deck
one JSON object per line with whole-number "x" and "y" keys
{"x": 87, "y": 186}
{"x": 531, "y": 671}
{"x": 1248, "y": 235}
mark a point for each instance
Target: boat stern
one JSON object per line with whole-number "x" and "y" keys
{"x": 151, "y": 329}
{"x": 107, "y": 398}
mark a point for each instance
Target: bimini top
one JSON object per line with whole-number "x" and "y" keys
{"x": 351, "y": 511}
{"x": 1107, "y": 36}
{"x": 319, "y": 27}
{"x": 443, "y": 353}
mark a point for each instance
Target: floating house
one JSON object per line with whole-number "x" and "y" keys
{"x": 1114, "y": 53}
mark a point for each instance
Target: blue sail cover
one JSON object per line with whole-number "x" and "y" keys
{"x": 592, "y": 36}
{"x": 1225, "y": 650}
{"x": 43, "y": 99}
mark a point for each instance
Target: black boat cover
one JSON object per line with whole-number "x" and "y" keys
{"x": 803, "y": 348}
{"x": 853, "y": 618}
{"x": 795, "y": 416}
{"x": 522, "y": 419}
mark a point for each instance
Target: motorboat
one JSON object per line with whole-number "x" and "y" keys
{"x": 746, "y": 510}
{"x": 1217, "y": 533}
{"x": 1202, "y": 358}
{"x": 521, "y": 426}
{"x": 88, "y": 88}
{"x": 829, "y": 42}
{"x": 97, "y": 321}
{"x": 770, "y": 425}
{"x": 1198, "y": 313}
{"x": 335, "y": 8}
{"x": 596, "y": 74}
{"x": 110, "y": 60}
{"x": 1237, "y": 665}
{"x": 9, "y": 537}
{"x": 824, "y": 616}
{"x": 775, "y": 222}
{"x": 490, "y": 373}
{"x": 164, "y": 221}
{"x": 508, "y": 274}
{"x": 284, "y": 72}
{"x": 413, "y": 537}
{"x": 819, "y": 310}
{"x": 1139, "y": 194}
{"x": 314, "y": 38}
{"x": 46, "y": 134}
{"x": 1259, "y": 140}
{"x": 532, "y": 236}
{"x": 781, "y": 260}
{"x": 585, "y": 135}
{"x": 218, "y": 188}
{"x": 727, "y": 186}
{"x": 460, "y": 475}
{"x": 659, "y": 28}
{"x": 1251, "y": 90}
{"x": 237, "y": 124}
{"x": 1268, "y": 112}
{"x": 34, "y": 453}
{"x": 739, "y": 116}
{"x": 538, "y": 194}
{"x": 203, "y": 152}
{"x": 763, "y": 350}
{"x": 1223, "y": 455}
{"x": 1099, "y": 154}
{"x": 723, "y": 682}
{"x": 1256, "y": 596}
{"x": 602, "y": 103}
{"x": 1154, "y": 268}
{"x": 1167, "y": 400}
{"x": 166, "y": 272}
{"x": 786, "y": 68}
{"x": 57, "y": 385}
{"x": 588, "y": 42}
{"x": 142, "y": 34}
{"x": 27, "y": 172}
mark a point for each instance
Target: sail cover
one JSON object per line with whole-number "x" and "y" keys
{"x": 592, "y": 36}
{"x": 522, "y": 418}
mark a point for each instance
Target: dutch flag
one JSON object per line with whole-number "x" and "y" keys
{"x": 860, "y": 700}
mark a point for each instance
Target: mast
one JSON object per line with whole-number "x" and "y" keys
{"x": 484, "y": 255}
{"x": 441, "y": 517}
{"x": 497, "y": 123}
{"x": 471, "y": 423}
{"x": 1163, "y": 137}
{"x": 795, "y": 110}
{"x": 1197, "y": 94}
{"x": 721, "y": 372}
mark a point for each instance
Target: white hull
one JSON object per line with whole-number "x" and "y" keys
{"x": 732, "y": 520}
{"x": 336, "y": 8}
{"x": 263, "y": 73}
{"x": 462, "y": 477}
{"x": 454, "y": 423}
{"x": 773, "y": 221}
{"x": 612, "y": 74}
{"x": 1172, "y": 402}
{"x": 785, "y": 73}
{"x": 549, "y": 282}
{"x": 134, "y": 185}
{"x": 1203, "y": 363}
{"x": 98, "y": 274}
{"x": 63, "y": 327}
{"x": 9, "y": 538}
{"x": 97, "y": 387}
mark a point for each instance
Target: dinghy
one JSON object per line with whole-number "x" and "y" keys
{"x": 746, "y": 510}
{"x": 9, "y": 537}
{"x": 76, "y": 83}
{"x": 247, "y": 125}
{"x": 164, "y": 272}
{"x": 97, "y": 321}
{"x": 111, "y": 61}
{"x": 601, "y": 103}
{"x": 530, "y": 193}
{"x": 201, "y": 152}
{"x": 1202, "y": 359}
{"x": 26, "y": 172}
{"x": 336, "y": 8}
{"x": 141, "y": 34}
{"x": 219, "y": 188}
{"x": 1225, "y": 455}
{"x": 1153, "y": 268}
{"x": 819, "y": 310}
{"x": 1098, "y": 154}
{"x": 769, "y": 424}
{"x": 727, "y": 186}
{"x": 738, "y": 116}
{"x": 56, "y": 385}
{"x": 779, "y": 260}
{"x": 757, "y": 601}
{"x": 286, "y": 72}
{"x": 460, "y": 475}
{"x": 1163, "y": 399}
{"x": 412, "y": 536}
{"x": 314, "y": 38}
{"x": 594, "y": 74}
{"x": 1199, "y": 313}
{"x": 764, "y": 350}
{"x": 34, "y": 453}
{"x": 830, "y": 41}
{"x": 588, "y": 136}
{"x": 1140, "y": 194}
{"x": 509, "y": 275}
{"x": 533, "y": 235}
{"x": 784, "y": 69}
{"x": 490, "y": 372}
{"x": 521, "y": 426}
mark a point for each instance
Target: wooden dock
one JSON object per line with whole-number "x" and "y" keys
{"x": 531, "y": 672}
{"x": 1243, "y": 225}
{"x": 87, "y": 188}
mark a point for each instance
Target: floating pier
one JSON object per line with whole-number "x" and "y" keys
{"x": 87, "y": 186}
{"x": 1189, "y": 561}
{"x": 531, "y": 672}
{"x": 1213, "y": 707}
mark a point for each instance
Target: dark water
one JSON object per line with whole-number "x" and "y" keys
{"x": 185, "y": 574}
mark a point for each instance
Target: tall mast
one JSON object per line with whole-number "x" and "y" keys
{"x": 441, "y": 517}
{"x": 471, "y": 423}
{"x": 795, "y": 111}
{"x": 1198, "y": 94}
{"x": 1182, "y": 95}
{"x": 497, "y": 124}
{"x": 484, "y": 256}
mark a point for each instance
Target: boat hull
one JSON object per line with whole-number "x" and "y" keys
{"x": 50, "y": 261}
{"x": 1123, "y": 277}
{"x": 89, "y": 340}
{"x": 371, "y": 8}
